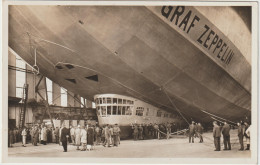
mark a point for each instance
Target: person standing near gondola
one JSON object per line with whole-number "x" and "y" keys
{"x": 216, "y": 135}
{"x": 24, "y": 134}
{"x": 64, "y": 138}
{"x": 90, "y": 137}
{"x": 78, "y": 137}
{"x": 200, "y": 132}
{"x": 226, "y": 136}
{"x": 191, "y": 132}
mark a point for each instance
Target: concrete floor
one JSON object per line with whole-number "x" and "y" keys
{"x": 176, "y": 147}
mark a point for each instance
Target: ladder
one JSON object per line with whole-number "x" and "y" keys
{"x": 24, "y": 104}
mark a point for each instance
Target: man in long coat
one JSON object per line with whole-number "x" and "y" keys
{"x": 56, "y": 132}
{"x": 116, "y": 132}
{"x": 107, "y": 136}
{"x": 226, "y": 136}
{"x": 35, "y": 135}
{"x": 44, "y": 135}
{"x": 64, "y": 137}
{"x": 90, "y": 136}
{"x": 191, "y": 132}
{"x": 200, "y": 132}
{"x": 83, "y": 139}
{"x": 240, "y": 134}
{"x": 78, "y": 137}
{"x": 216, "y": 135}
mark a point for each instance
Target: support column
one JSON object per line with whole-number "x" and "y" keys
{"x": 30, "y": 79}
{"x": 40, "y": 85}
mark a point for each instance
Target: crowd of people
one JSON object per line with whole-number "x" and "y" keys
{"x": 153, "y": 131}
{"x": 38, "y": 134}
{"x": 79, "y": 136}
{"x": 84, "y": 137}
{"x": 196, "y": 130}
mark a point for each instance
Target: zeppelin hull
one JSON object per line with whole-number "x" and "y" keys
{"x": 133, "y": 52}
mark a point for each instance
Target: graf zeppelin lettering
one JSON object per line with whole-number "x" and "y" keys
{"x": 188, "y": 21}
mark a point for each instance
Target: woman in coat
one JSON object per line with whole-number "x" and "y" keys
{"x": 44, "y": 135}
{"x": 78, "y": 137}
{"x": 90, "y": 136}
{"x": 83, "y": 139}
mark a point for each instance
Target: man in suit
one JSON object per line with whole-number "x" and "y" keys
{"x": 226, "y": 136}
{"x": 199, "y": 132}
{"x": 240, "y": 134}
{"x": 65, "y": 132}
{"x": 216, "y": 135}
{"x": 191, "y": 132}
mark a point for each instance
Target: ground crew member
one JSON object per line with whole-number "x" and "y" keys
{"x": 116, "y": 132}
{"x": 78, "y": 137}
{"x": 240, "y": 134}
{"x": 191, "y": 132}
{"x": 35, "y": 136}
{"x": 24, "y": 133}
{"x": 135, "y": 132}
{"x": 200, "y": 132}
{"x": 140, "y": 132}
{"x": 226, "y": 136}
{"x": 216, "y": 135}
{"x": 157, "y": 133}
{"x": 64, "y": 137}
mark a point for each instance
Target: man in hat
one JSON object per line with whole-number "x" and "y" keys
{"x": 216, "y": 135}
{"x": 240, "y": 134}
{"x": 226, "y": 136}
{"x": 64, "y": 137}
{"x": 191, "y": 132}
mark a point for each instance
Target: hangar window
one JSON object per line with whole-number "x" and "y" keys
{"x": 104, "y": 101}
{"x": 82, "y": 103}
{"x": 166, "y": 115}
{"x": 64, "y": 97}
{"x": 20, "y": 77}
{"x": 159, "y": 113}
{"x": 140, "y": 111}
{"x": 49, "y": 90}
{"x": 124, "y": 101}
{"x": 129, "y": 101}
